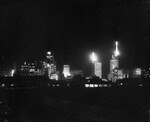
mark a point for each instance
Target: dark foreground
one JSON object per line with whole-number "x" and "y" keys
{"x": 116, "y": 104}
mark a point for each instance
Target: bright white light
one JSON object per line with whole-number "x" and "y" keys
{"x": 48, "y": 53}
{"x": 95, "y": 85}
{"x": 91, "y": 85}
{"x": 117, "y": 53}
{"x": 138, "y": 71}
{"x": 12, "y": 72}
{"x": 54, "y": 76}
{"x": 48, "y": 65}
{"x": 86, "y": 85}
{"x": 93, "y": 57}
{"x": 66, "y": 71}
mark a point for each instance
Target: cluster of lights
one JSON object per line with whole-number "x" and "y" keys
{"x": 95, "y": 85}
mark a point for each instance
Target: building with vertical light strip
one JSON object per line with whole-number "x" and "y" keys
{"x": 98, "y": 69}
{"x": 114, "y": 65}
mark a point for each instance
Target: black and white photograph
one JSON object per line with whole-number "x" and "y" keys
{"x": 74, "y": 60}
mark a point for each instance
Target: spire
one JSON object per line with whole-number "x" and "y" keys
{"x": 116, "y": 45}
{"x": 116, "y": 53}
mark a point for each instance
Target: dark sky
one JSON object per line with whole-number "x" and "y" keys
{"x": 71, "y": 29}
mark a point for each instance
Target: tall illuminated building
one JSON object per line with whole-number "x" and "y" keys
{"x": 98, "y": 69}
{"x": 49, "y": 66}
{"x": 114, "y": 64}
{"x": 96, "y": 66}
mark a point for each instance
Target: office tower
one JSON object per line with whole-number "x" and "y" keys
{"x": 98, "y": 69}
{"x": 114, "y": 65}
{"x": 49, "y": 65}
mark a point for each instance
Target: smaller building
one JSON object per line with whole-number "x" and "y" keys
{"x": 29, "y": 69}
{"x": 66, "y": 72}
{"x": 121, "y": 74}
{"x": 137, "y": 73}
{"x": 77, "y": 73}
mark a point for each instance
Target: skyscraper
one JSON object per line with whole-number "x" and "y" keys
{"x": 114, "y": 64}
{"x": 49, "y": 65}
{"x": 98, "y": 69}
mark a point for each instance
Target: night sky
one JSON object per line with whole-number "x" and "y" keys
{"x": 71, "y": 29}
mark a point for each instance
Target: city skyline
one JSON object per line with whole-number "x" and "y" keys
{"x": 75, "y": 60}
{"x": 74, "y": 29}
{"x": 97, "y": 57}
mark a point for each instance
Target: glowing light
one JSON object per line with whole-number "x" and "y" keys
{"x": 12, "y": 72}
{"x": 116, "y": 53}
{"x": 24, "y": 63}
{"x": 105, "y": 85}
{"x": 48, "y": 65}
{"x": 86, "y": 85}
{"x": 54, "y": 77}
{"x": 66, "y": 71}
{"x": 95, "y": 85}
{"x": 48, "y": 53}
{"x": 3, "y": 85}
{"x": 91, "y": 85}
{"x": 138, "y": 71}
{"x": 93, "y": 57}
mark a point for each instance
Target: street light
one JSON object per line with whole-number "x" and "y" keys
{"x": 48, "y": 53}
